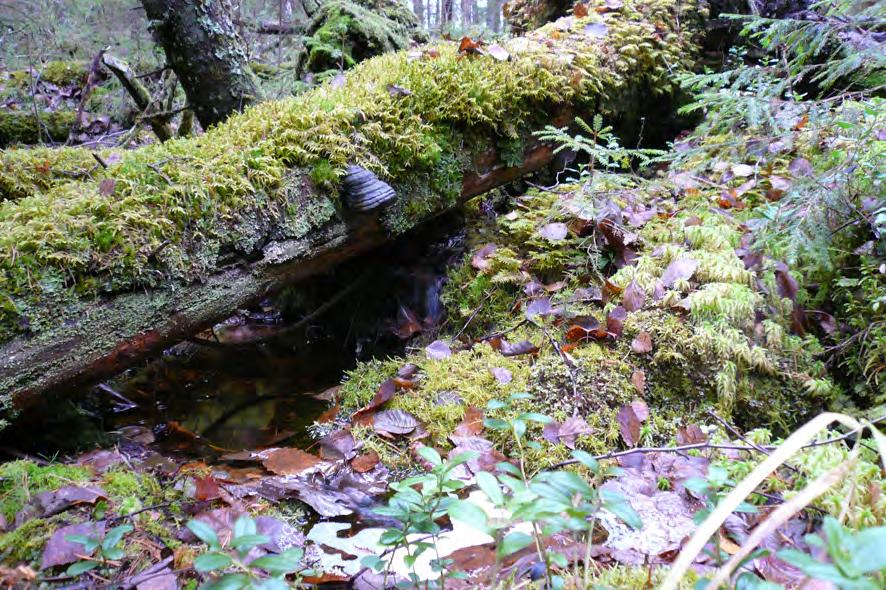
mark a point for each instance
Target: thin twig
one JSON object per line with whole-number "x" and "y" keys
{"x": 719, "y": 446}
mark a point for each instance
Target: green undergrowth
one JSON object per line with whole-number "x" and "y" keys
{"x": 858, "y": 496}
{"x": 58, "y": 72}
{"x": 725, "y": 338}
{"x": 167, "y": 213}
{"x": 127, "y": 491}
{"x": 20, "y": 480}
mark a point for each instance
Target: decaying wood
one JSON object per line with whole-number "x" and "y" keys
{"x": 115, "y": 334}
{"x": 139, "y": 94}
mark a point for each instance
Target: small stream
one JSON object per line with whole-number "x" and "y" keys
{"x": 221, "y": 392}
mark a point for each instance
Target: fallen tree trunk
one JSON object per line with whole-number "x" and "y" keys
{"x": 100, "y": 273}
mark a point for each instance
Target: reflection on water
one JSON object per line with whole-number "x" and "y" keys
{"x": 197, "y": 402}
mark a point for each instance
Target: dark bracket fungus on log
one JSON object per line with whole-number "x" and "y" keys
{"x": 100, "y": 272}
{"x": 363, "y": 191}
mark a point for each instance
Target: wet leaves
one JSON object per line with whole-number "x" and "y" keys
{"x": 471, "y": 424}
{"x": 585, "y": 328}
{"x": 391, "y": 422}
{"x": 289, "y": 461}
{"x": 60, "y": 551}
{"x": 690, "y": 434}
{"x": 680, "y": 269}
{"x": 365, "y": 462}
{"x": 642, "y": 343}
{"x": 338, "y": 445}
{"x": 502, "y": 375}
{"x": 554, "y": 232}
{"x": 596, "y": 30}
{"x": 385, "y": 392}
{"x": 634, "y": 297}
{"x": 480, "y": 259}
{"x": 638, "y": 380}
{"x": 567, "y": 432}
{"x": 438, "y": 350}
{"x": 629, "y": 425}
{"x": 517, "y": 349}
{"x": 498, "y": 52}
{"x": 540, "y": 307}
{"x": 48, "y": 503}
{"x": 615, "y": 321}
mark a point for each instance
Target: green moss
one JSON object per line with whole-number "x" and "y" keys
{"x": 448, "y": 386}
{"x": 20, "y": 480}
{"x": 59, "y": 72}
{"x": 131, "y": 491}
{"x": 626, "y": 577}
{"x": 24, "y": 127}
{"x": 226, "y": 190}
{"x": 25, "y": 544}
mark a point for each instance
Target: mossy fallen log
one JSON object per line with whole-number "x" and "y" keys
{"x": 27, "y": 127}
{"x": 101, "y": 271}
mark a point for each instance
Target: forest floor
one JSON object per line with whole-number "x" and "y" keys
{"x": 608, "y": 359}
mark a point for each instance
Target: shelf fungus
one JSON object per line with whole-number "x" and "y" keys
{"x": 363, "y": 191}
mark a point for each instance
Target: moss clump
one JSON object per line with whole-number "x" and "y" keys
{"x": 448, "y": 386}
{"x": 225, "y": 191}
{"x": 25, "y": 544}
{"x": 24, "y": 127}
{"x": 58, "y": 72}
{"x": 20, "y": 480}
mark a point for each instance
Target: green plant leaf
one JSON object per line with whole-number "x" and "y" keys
{"x": 620, "y": 507}
{"x": 209, "y": 562}
{"x": 284, "y": 563}
{"x": 870, "y": 549}
{"x": 536, "y": 417}
{"x": 113, "y": 553}
{"x": 513, "y": 542}
{"x": 373, "y": 562}
{"x": 468, "y": 513}
{"x": 204, "y": 532}
{"x": 431, "y": 455}
{"x": 81, "y": 567}
{"x": 245, "y": 525}
{"x": 115, "y": 535}
{"x": 228, "y": 582}
{"x": 495, "y": 424}
{"x": 490, "y": 487}
{"x": 246, "y": 542}
{"x": 587, "y": 460}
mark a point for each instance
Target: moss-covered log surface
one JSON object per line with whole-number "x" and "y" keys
{"x": 99, "y": 271}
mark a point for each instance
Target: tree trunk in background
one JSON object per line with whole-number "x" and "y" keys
{"x": 204, "y": 50}
{"x": 418, "y": 8}
{"x": 446, "y": 12}
{"x": 493, "y": 15}
{"x": 465, "y": 13}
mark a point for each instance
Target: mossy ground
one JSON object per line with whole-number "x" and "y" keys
{"x": 222, "y": 192}
{"x": 723, "y": 340}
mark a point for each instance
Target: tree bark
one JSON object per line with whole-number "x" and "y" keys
{"x": 204, "y": 50}
{"x": 418, "y": 7}
{"x": 493, "y": 15}
{"x": 98, "y": 337}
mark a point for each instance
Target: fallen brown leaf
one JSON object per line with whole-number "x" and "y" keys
{"x": 289, "y": 461}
